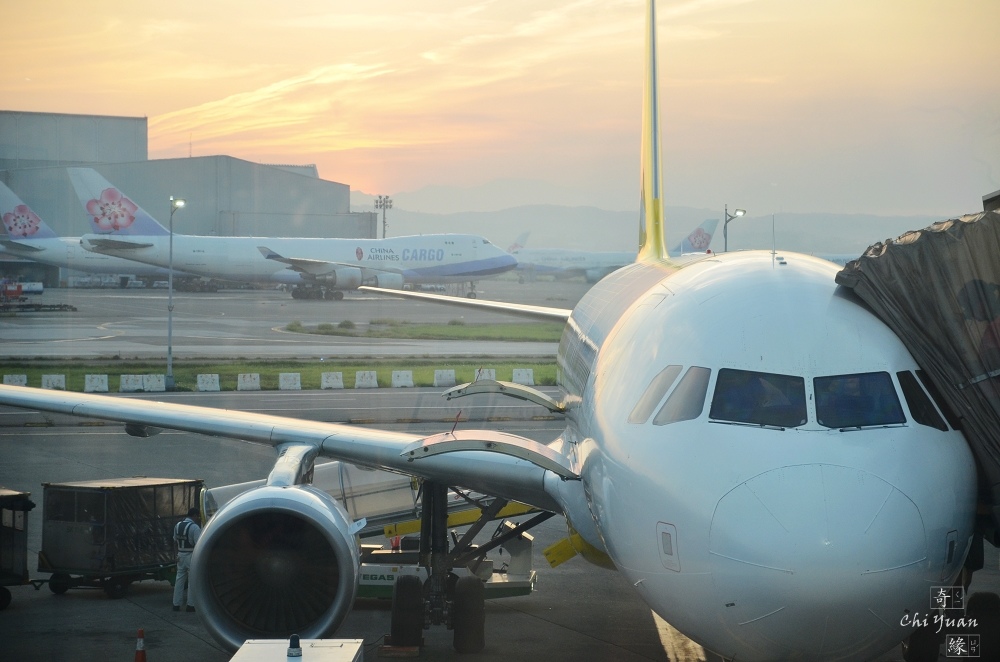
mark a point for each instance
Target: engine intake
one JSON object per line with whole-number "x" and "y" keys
{"x": 273, "y": 562}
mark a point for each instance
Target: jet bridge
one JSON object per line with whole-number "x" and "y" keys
{"x": 938, "y": 289}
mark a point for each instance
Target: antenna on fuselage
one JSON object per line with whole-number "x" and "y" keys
{"x": 652, "y": 244}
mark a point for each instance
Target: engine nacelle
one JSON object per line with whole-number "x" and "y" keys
{"x": 273, "y": 562}
{"x": 389, "y": 281}
{"x": 343, "y": 278}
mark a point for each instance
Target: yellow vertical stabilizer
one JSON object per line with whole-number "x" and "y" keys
{"x": 652, "y": 241}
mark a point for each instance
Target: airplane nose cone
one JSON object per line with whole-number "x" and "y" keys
{"x": 811, "y": 560}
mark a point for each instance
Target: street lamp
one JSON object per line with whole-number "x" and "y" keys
{"x": 725, "y": 226}
{"x": 175, "y": 204}
{"x": 383, "y": 202}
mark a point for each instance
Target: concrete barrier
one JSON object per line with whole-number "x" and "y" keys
{"x": 130, "y": 384}
{"x": 289, "y": 381}
{"x": 15, "y": 380}
{"x": 365, "y": 379}
{"x": 248, "y": 381}
{"x": 54, "y": 382}
{"x": 331, "y": 380}
{"x": 95, "y": 384}
{"x": 402, "y": 379}
{"x": 485, "y": 373}
{"x": 444, "y": 378}
{"x": 525, "y": 376}
{"x": 208, "y": 383}
{"x": 154, "y": 383}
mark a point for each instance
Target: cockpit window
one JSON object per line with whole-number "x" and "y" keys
{"x": 942, "y": 404}
{"x": 759, "y": 398}
{"x": 850, "y": 401}
{"x": 920, "y": 405}
{"x": 687, "y": 400}
{"x": 653, "y": 394}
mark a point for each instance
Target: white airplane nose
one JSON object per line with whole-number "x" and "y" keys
{"x": 813, "y": 560}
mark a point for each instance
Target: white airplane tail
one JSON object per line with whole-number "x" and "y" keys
{"x": 110, "y": 210}
{"x": 700, "y": 239}
{"x": 519, "y": 242}
{"x": 19, "y": 221}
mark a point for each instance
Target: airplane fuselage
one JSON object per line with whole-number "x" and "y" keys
{"x": 67, "y": 253}
{"x": 809, "y": 526}
{"x": 419, "y": 259}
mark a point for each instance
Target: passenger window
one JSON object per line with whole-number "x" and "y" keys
{"x": 861, "y": 400}
{"x": 759, "y": 398}
{"x": 920, "y": 405}
{"x": 687, "y": 400}
{"x": 654, "y": 393}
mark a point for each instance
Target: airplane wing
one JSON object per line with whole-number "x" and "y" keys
{"x": 17, "y": 247}
{"x": 487, "y": 461}
{"x": 100, "y": 241}
{"x": 522, "y": 310}
{"x": 314, "y": 267}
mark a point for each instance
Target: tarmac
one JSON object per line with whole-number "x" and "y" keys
{"x": 577, "y": 611}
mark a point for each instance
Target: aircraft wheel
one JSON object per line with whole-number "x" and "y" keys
{"x": 296, "y": 294}
{"x": 4, "y": 597}
{"x": 984, "y": 607}
{"x": 407, "y": 625}
{"x": 470, "y": 295}
{"x": 922, "y": 646}
{"x": 338, "y": 295}
{"x": 59, "y": 583}
{"x": 116, "y": 587}
{"x": 469, "y": 617}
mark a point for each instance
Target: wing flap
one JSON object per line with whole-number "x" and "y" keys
{"x": 493, "y": 442}
{"x": 101, "y": 242}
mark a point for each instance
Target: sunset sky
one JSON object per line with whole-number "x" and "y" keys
{"x": 887, "y": 106}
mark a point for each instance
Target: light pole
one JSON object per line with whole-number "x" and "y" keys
{"x": 175, "y": 204}
{"x": 383, "y": 202}
{"x": 725, "y": 226}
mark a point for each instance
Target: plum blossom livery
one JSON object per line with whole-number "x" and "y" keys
{"x": 113, "y": 211}
{"x": 22, "y": 222}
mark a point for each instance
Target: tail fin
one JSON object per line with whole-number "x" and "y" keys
{"x": 699, "y": 240}
{"x": 519, "y": 243}
{"x": 19, "y": 222}
{"x": 652, "y": 246}
{"x": 110, "y": 210}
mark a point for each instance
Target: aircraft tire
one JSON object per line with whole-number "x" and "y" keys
{"x": 4, "y": 597}
{"x": 407, "y": 621}
{"x": 984, "y": 607}
{"x": 470, "y": 295}
{"x": 469, "y": 615}
{"x": 59, "y": 583}
{"x": 116, "y": 587}
{"x": 338, "y": 295}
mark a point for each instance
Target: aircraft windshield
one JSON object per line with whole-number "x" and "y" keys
{"x": 687, "y": 400}
{"x": 848, "y": 401}
{"x": 759, "y": 398}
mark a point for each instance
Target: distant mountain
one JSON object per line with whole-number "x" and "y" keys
{"x": 591, "y": 228}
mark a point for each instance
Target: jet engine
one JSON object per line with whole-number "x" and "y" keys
{"x": 389, "y": 281}
{"x": 273, "y": 562}
{"x": 344, "y": 278}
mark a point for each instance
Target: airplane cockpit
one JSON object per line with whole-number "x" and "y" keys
{"x": 845, "y": 403}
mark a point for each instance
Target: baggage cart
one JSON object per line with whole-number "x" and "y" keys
{"x": 110, "y": 533}
{"x": 14, "y": 507}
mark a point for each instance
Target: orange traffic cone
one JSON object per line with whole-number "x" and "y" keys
{"x": 140, "y": 647}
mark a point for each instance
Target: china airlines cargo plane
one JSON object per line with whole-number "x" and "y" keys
{"x": 745, "y": 442}
{"x": 317, "y": 268}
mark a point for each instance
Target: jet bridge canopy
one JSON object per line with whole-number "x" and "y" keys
{"x": 939, "y": 290}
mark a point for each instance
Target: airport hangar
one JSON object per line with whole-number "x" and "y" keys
{"x": 225, "y": 196}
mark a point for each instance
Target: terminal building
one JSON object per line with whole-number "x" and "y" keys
{"x": 225, "y": 196}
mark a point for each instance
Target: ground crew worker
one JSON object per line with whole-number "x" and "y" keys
{"x": 186, "y": 534}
